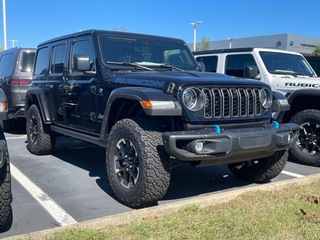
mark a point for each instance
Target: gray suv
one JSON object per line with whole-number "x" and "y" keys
{"x": 16, "y": 65}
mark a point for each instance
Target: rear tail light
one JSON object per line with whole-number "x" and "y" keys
{"x": 20, "y": 81}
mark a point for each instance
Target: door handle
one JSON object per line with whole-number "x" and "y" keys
{"x": 66, "y": 88}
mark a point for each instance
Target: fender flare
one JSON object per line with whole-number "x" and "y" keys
{"x": 302, "y": 92}
{"x": 43, "y": 99}
{"x": 291, "y": 97}
{"x": 138, "y": 94}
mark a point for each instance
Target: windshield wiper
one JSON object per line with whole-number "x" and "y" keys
{"x": 291, "y": 73}
{"x": 159, "y": 65}
{"x": 131, "y": 64}
{"x": 301, "y": 74}
{"x": 170, "y": 66}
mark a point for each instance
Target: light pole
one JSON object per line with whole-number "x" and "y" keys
{"x": 13, "y": 41}
{"x": 194, "y": 24}
{"x": 4, "y": 24}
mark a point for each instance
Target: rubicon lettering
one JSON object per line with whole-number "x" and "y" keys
{"x": 311, "y": 85}
{"x": 141, "y": 82}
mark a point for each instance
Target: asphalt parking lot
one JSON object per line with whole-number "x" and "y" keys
{"x": 70, "y": 186}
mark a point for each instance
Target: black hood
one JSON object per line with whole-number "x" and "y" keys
{"x": 162, "y": 79}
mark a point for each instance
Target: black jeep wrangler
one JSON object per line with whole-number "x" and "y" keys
{"x": 144, "y": 99}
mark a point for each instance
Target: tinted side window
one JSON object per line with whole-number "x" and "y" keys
{"x": 177, "y": 57}
{"x": 210, "y": 62}
{"x": 7, "y": 64}
{"x": 42, "y": 61}
{"x": 236, "y": 64}
{"x": 58, "y": 58}
{"x": 27, "y": 59}
{"x": 316, "y": 66}
{"x": 83, "y": 47}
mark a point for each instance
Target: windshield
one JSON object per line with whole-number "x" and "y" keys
{"x": 285, "y": 63}
{"x": 146, "y": 51}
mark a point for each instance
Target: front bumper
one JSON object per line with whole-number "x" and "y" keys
{"x": 227, "y": 146}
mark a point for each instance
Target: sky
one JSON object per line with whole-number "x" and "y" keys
{"x": 30, "y": 22}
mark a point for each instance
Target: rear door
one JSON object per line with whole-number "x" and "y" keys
{"x": 57, "y": 76}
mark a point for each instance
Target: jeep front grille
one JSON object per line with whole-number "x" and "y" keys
{"x": 231, "y": 102}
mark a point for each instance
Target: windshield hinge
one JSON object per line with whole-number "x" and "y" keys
{"x": 170, "y": 88}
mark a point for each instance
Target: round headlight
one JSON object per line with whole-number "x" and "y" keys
{"x": 189, "y": 98}
{"x": 265, "y": 98}
{"x": 192, "y": 98}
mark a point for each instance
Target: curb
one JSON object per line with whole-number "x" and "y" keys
{"x": 202, "y": 201}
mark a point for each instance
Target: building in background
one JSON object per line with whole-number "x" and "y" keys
{"x": 291, "y": 42}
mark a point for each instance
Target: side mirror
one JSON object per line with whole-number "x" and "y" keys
{"x": 202, "y": 67}
{"x": 251, "y": 72}
{"x": 81, "y": 62}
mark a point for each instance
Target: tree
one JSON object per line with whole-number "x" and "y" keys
{"x": 316, "y": 51}
{"x": 205, "y": 44}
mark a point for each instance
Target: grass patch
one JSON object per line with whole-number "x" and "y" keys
{"x": 80, "y": 233}
{"x": 293, "y": 213}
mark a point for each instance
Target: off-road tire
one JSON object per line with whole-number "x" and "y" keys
{"x": 307, "y": 148}
{"x": 261, "y": 170}
{"x": 5, "y": 189}
{"x": 40, "y": 140}
{"x": 146, "y": 161}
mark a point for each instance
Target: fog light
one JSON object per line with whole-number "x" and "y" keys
{"x": 199, "y": 146}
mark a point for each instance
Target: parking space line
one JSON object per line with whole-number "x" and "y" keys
{"x": 18, "y": 137}
{"x": 293, "y": 174}
{"x": 57, "y": 212}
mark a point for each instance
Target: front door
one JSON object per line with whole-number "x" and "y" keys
{"x": 78, "y": 91}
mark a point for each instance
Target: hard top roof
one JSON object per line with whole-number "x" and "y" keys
{"x": 17, "y": 49}
{"x": 247, "y": 49}
{"x": 96, "y": 32}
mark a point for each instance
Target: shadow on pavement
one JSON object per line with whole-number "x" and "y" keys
{"x": 86, "y": 156}
{"x": 17, "y": 126}
{"x": 186, "y": 181}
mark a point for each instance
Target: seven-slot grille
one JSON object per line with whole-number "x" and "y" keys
{"x": 231, "y": 102}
